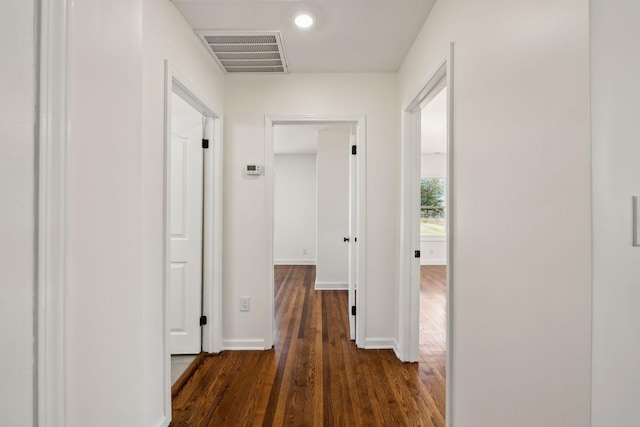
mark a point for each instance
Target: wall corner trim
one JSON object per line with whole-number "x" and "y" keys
{"x": 162, "y": 422}
{"x": 53, "y": 22}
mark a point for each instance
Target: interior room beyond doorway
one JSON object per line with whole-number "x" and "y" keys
{"x": 311, "y": 200}
{"x": 338, "y": 144}
{"x": 433, "y": 247}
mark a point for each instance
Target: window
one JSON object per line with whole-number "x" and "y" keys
{"x": 432, "y": 210}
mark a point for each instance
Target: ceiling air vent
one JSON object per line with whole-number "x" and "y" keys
{"x": 246, "y": 52}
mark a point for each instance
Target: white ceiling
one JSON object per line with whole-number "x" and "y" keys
{"x": 433, "y": 125}
{"x": 349, "y": 35}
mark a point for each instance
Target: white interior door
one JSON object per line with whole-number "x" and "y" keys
{"x": 185, "y": 219}
{"x": 353, "y": 233}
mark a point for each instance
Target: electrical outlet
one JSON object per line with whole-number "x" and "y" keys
{"x": 244, "y": 303}
{"x": 430, "y": 251}
{"x": 304, "y": 252}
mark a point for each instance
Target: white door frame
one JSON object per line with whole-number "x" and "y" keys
{"x": 353, "y": 232}
{"x": 409, "y": 296}
{"x": 175, "y": 82}
{"x": 360, "y": 124}
{"x": 53, "y": 19}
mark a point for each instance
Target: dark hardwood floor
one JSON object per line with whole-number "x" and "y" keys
{"x": 314, "y": 375}
{"x": 433, "y": 331}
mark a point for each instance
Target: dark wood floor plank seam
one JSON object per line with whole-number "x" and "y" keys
{"x": 303, "y": 315}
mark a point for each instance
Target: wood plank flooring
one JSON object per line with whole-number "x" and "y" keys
{"x": 314, "y": 375}
{"x": 433, "y": 331}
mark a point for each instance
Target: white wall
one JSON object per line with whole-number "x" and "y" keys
{"x": 294, "y": 230}
{"x": 166, "y": 35}
{"x": 247, "y": 100}
{"x": 433, "y": 250}
{"x": 104, "y": 316}
{"x": 332, "y": 270}
{"x": 115, "y": 204}
{"x": 615, "y": 67}
{"x": 17, "y": 192}
{"x": 522, "y": 278}
{"x": 433, "y": 165}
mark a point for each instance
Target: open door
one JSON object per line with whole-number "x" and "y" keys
{"x": 353, "y": 232}
{"x": 186, "y": 198}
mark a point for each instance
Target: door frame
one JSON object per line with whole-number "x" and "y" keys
{"x": 409, "y": 295}
{"x": 175, "y": 82}
{"x": 353, "y": 232}
{"x": 359, "y": 122}
{"x": 53, "y": 21}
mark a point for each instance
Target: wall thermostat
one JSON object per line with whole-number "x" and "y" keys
{"x": 253, "y": 169}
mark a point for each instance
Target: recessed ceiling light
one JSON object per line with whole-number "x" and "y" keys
{"x": 304, "y": 20}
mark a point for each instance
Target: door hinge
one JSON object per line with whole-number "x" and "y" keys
{"x": 353, "y": 310}
{"x": 417, "y": 254}
{"x": 205, "y": 143}
{"x": 203, "y": 320}
{"x": 354, "y": 150}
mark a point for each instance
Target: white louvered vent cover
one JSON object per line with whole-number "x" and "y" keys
{"x": 246, "y": 52}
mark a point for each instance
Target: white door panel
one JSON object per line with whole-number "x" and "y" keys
{"x": 178, "y": 298}
{"x": 185, "y": 220}
{"x": 179, "y": 156}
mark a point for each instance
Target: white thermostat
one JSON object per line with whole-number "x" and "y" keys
{"x": 253, "y": 169}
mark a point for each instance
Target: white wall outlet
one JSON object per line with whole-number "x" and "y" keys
{"x": 430, "y": 251}
{"x": 305, "y": 252}
{"x": 244, "y": 303}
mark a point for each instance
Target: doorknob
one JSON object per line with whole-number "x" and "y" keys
{"x": 346, "y": 239}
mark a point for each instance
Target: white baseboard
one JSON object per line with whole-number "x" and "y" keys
{"x": 396, "y": 350}
{"x": 331, "y": 286}
{"x": 162, "y": 422}
{"x": 380, "y": 344}
{"x": 294, "y": 262}
{"x": 433, "y": 262}
{"x": 256, "y": 344}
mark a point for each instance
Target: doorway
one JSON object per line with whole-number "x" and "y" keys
{"x": 427, "y": 231}
{"x": 353, "y": 244}
{"x": 192, "y": 226}
{"x": 314, "y": 204}
{"x": 432, "y": 338}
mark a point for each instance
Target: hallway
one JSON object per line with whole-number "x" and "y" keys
{"x": 314, "y": 375}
